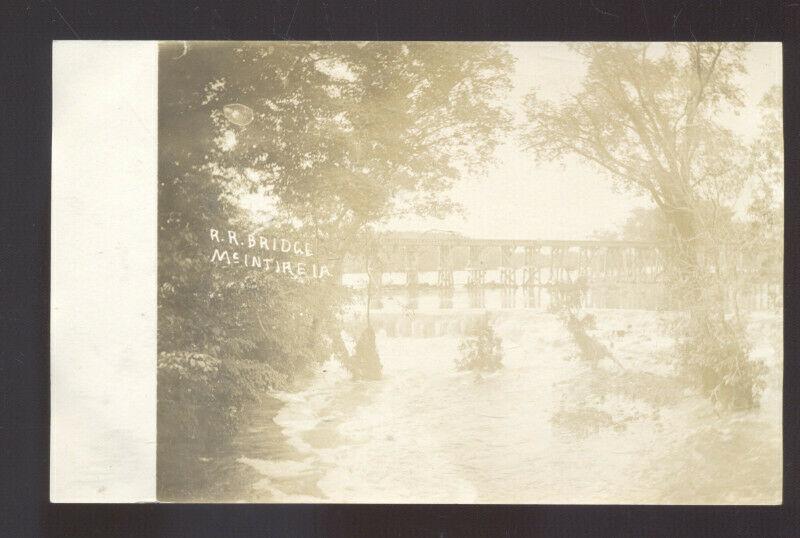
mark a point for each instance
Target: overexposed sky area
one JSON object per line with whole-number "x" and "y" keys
{"x": 521, "y": 198}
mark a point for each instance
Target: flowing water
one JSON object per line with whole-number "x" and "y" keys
{"x": 426, "y": 433}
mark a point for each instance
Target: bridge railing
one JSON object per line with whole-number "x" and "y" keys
{"x": 512, "y": 263}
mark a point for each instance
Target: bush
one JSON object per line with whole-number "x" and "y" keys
{"x": 201, "y": 397}
{"x": 712, "y": 348}
{"x": 589, "y": 347}
{"x": 566, "y": 297}
{"x": 365, "y": 363}
{"x": 714, "y": 355}
{"x": 482, "y": 350}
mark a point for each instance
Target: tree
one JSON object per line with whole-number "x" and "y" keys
{"x": 330, "y": 137}
{"x": 343, "y": 134}
{"x": 651, "y": 122}
{"x": 766, "y": 208}
{"x": 650, "y": 119}
{"x": 481, "y": 350}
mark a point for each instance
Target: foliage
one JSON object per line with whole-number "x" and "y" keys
{"x": 600, "y": 399}
{"x": 717, "y": 363}
{"x": 589, "y": 347}
{"x": 337, "y": 136}
{"x": 482, "y": 350}
{"x": 365, "y": 362}
{"x": 565, "y": 302}
{"x": 651, "y": 120}
{"x": 643, "y": 224}
{"x": 343, "y": 133}
{"x": 200, "y": 396}
{"x": 764, "y": 229}
{"x": 566, "y": 297}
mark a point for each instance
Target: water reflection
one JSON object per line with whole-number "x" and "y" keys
{"x": 534, "y": 297}
{"x": 446, "y": 298}
{"x": 638, "y": 296}
{"x": 477, "y": 297}
{"x": 509, "y": 298}
{"x": 412, "y": 298}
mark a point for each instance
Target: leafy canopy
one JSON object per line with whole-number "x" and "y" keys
{"x": 651, "y": 120}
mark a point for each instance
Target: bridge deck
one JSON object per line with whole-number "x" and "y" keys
{"x": 457, "y": 241}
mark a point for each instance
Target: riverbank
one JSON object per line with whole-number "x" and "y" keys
{"x": 205, "y": 468}
{"x": 547, "y": 428}
{"x": 192, "y": 472}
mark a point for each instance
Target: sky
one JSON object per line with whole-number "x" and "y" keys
{"x": 521, "y": 198}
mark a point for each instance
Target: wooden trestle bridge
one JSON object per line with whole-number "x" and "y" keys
{"x": 527, "y": 263}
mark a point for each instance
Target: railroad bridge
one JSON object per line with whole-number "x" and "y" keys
{"x": 525, "y": 263}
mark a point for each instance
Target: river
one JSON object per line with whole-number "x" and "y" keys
{"x": 547, "y": 428}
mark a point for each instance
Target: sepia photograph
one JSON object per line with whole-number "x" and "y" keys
{"x": 470, "y": 272}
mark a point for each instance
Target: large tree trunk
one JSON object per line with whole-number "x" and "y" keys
{"x": 682, "y": 257}
{"x": 712, "y": 349}
{"x": 698, "y": 290}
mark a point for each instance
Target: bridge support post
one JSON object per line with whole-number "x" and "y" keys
{"x": 558, "y": 270}
{"x": 613, "y": 263}
{"x": 508, "y": 275}
{"x": 477, "y": 273}
{"x": 445, "y": 277}
{"x": 655, "y": 264}
{"x": 641, "y": 264}
{"x": 627, "y": 264}
{"x": 587, "y": 268}
{"x": 598, "y": 261}
{"x": 412, "y": 268}
{"x": 375, "y": 282}
{"x": 530, "y": 273}
{"x": 584, "y": 261}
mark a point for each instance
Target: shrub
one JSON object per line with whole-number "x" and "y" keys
{"x": 201, "y": 397}
{"x": 482, "y": 350}
{"x": 714, "y": 355}
{"x": 712, "y": 348}
{"x": 589, "y": 347}
{"x": 365, "y": 363}
{"x": 566, "y": 297}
